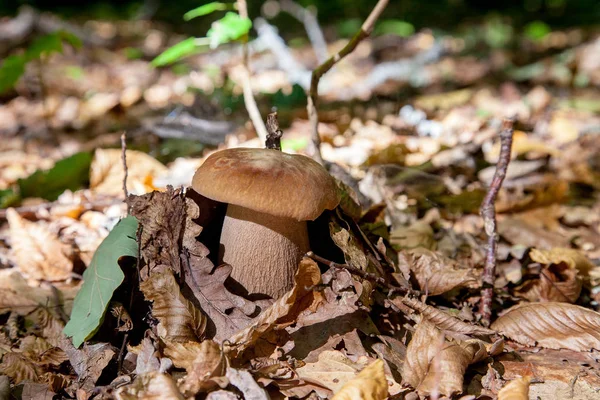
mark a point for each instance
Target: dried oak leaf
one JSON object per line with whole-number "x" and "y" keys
{"x": 307, "y": 276}
{"x": 441, "y": 319}
{"x": 36, "y": 251}
{"x": 437, "y": 274}
{"x": 551, "y": 325}
{"x": 246, "y": 384}
{"x": 89, "y": 362}
{"x": 180, "y": 320}
{"x": 147, "y": 357}
{"x": 574, "y": 259}
{"x": 557, "y": 282}
{"x": 150, "y": 386}
{"x": 517, "y": 389}
{"x": 434, "y": 365}
{"x": 202, "y": 361}
{"x": 369, "y": 384}
{"x": 106, "y": 172}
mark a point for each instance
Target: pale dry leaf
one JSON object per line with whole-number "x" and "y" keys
{"x": 150, "y": 386}
{"x": 332, "y": 370}
{"x": 369, "y": 384}
{"x": 89, "y": 362}
{"x": 443, "y": 320}
{"x": 19, "y": 368}
{"x": 106, "y": 172}
{"x": 437, "y": 274}
{"x": 517, "y": 389}
{"x": 424, "y": 345}
{"x": 571, "y": 257}
{"x": 37, "y": 252}
{"x": 180, "y": 320}
{"x": 418, "y": 234}
{"x": 307, "y": 276}
{"x": 147, "y": 357}
{"x": 551, "y": 325}
{"x": 246, "y": 384}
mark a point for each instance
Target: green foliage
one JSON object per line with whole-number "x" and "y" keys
{"x": 227, "y": 29}
{"x": 498, "y": 33}
{"x": 74, "y": 72}
{"x": 13, "y": 67}
{"x": 394, "y": 27}
{"x": 100, "y": 280}
{"x": 8, "y": 198}
{"x": 133, "y": 53}
{"x": 69, "y": 173}
{"x": 537, "y": 30}
{"x": 207, "y": 9}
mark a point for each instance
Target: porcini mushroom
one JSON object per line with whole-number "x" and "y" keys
{"x": 270, "y": 196}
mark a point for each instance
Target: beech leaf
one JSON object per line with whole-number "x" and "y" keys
{"x": 551, "y": 325}
{"x": 369, "y": 384}
{"x": 517, "y": 389}
{"x": 100, "y": 280}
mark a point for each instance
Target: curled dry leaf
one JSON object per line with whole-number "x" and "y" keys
{"x": 443, "y": 320}
{"x": 202, "y": 361}
{"x": 551, "y": 325}
{"x": 180, "y": 320}
{"x": 36, "y": 251}
{"x": 150, "y": 386}
{"x": 517, "y": 389}
{"x": 434, "y": 365}
{"x": 19, "y": 368}
{"x": 557, "y": 282}
{"x": 307, "y": 276}
{"x": 571, "y": 257}
{"x": 106, "y": 172}
{"x": 369, "y": 384}
{"x": 246, "y": 384}
{"x": 125, "y": 322}
{"x": 438, "y": 274}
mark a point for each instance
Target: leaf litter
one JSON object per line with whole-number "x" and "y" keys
{"x": 393, "y": 308}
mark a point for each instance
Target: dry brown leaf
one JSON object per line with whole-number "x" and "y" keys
{"x": 438, "y": 274}
{"x": 332, "y": 370}
{"x": 369, "y": 384}
{"x": 571, "y": 257}
{"x": 419, "y": 234}
{"x": 147, "y": 357}
{"x": 19, "y": 368}
{"x": 180, "y": 320}
{"x": 150, "y": 386}
{"x": 246, "y": 384}
{"x": 36, "y": 251}
{"x": 89, "y": 362}
{"x": 124, "y": 319}
{"x": 434, "y": 365}
{"x": 202, "y": 361}
{"x": 517, "y": 389}
{"x": 551, "y": 325}
{"x": 106, "y": 172}
{"x": 307, "y": 276}
{"x": 443, "y": 320}
{"x": 556, "y": 283}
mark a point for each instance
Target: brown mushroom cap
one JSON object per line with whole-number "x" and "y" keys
{"x": 269, "y": 181}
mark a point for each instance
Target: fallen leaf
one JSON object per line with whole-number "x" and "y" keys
{"x": 147, "y": 358}
{"x": 574, "y": 259}
{"x": 37, "y": 252}
{"x": 517, "y": 389}
{"x": 89, "y": 362}
{"x": 244, "y": 382}
{"x": 100, "y": 280}
{"x": 150, "y": 386}
{"x": 180, "y": 320}
{"x": 106, "y": 172}
{"x": 369, "y": 384}
{"x": 556, "y": 283}
{"x": 19, "y": 367}
{"x": 551, "y": 325}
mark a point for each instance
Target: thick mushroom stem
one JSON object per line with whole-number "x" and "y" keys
{"x": 264, "y": 250}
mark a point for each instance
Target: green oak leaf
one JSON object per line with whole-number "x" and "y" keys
{"x": 100, "y": 280}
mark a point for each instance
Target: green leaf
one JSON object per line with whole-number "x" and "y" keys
{"x": 207, "y": 9}
{"x": 100, "y": 280}
{"x": 395, "y": 27}
{"x": 70, "y": 38}
{"x": 44, "y": 45}
{"x": 177, "y": 52}
{"x": 8, "y": 198}
{"x": 230, "y": 27}
{"x": 11, "y": 70}
{"x": 69, "y": 173}
{"x": 537, "y": 30}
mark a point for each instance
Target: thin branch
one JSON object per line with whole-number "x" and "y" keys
{"x": 249, "y": 100}
{"x": 488, "y": 213}
{"x": 124, "y": 159}
{"x": 311, "y": 25}
{"x": 313, "y": 116}
{"x": 274, "y": 133}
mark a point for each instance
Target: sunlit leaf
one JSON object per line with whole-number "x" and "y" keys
{"x": 176, "y": 52}
{"x": 207, "y": 9}
{"x": 537, "y": 30}
{"x": 69, "y": 173}
{"x": 100, "y": 280}
{"x": 395, "y": 27}
{"x": 230, "y": 27}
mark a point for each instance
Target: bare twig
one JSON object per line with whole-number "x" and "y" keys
{"x": 313, "y": 30}
{"x": 249, "y": 100}
{"x": 488, "y": 213}
{"x": 124, "y": 159}
{"x": 274, "y": 133}
{"x": 313, "y": 116}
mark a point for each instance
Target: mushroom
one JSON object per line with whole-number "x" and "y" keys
{"x": 270, "y": 197}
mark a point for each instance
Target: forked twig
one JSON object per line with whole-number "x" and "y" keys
{"x": 488, "y": 213}
{"x": 365, "y": 31}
